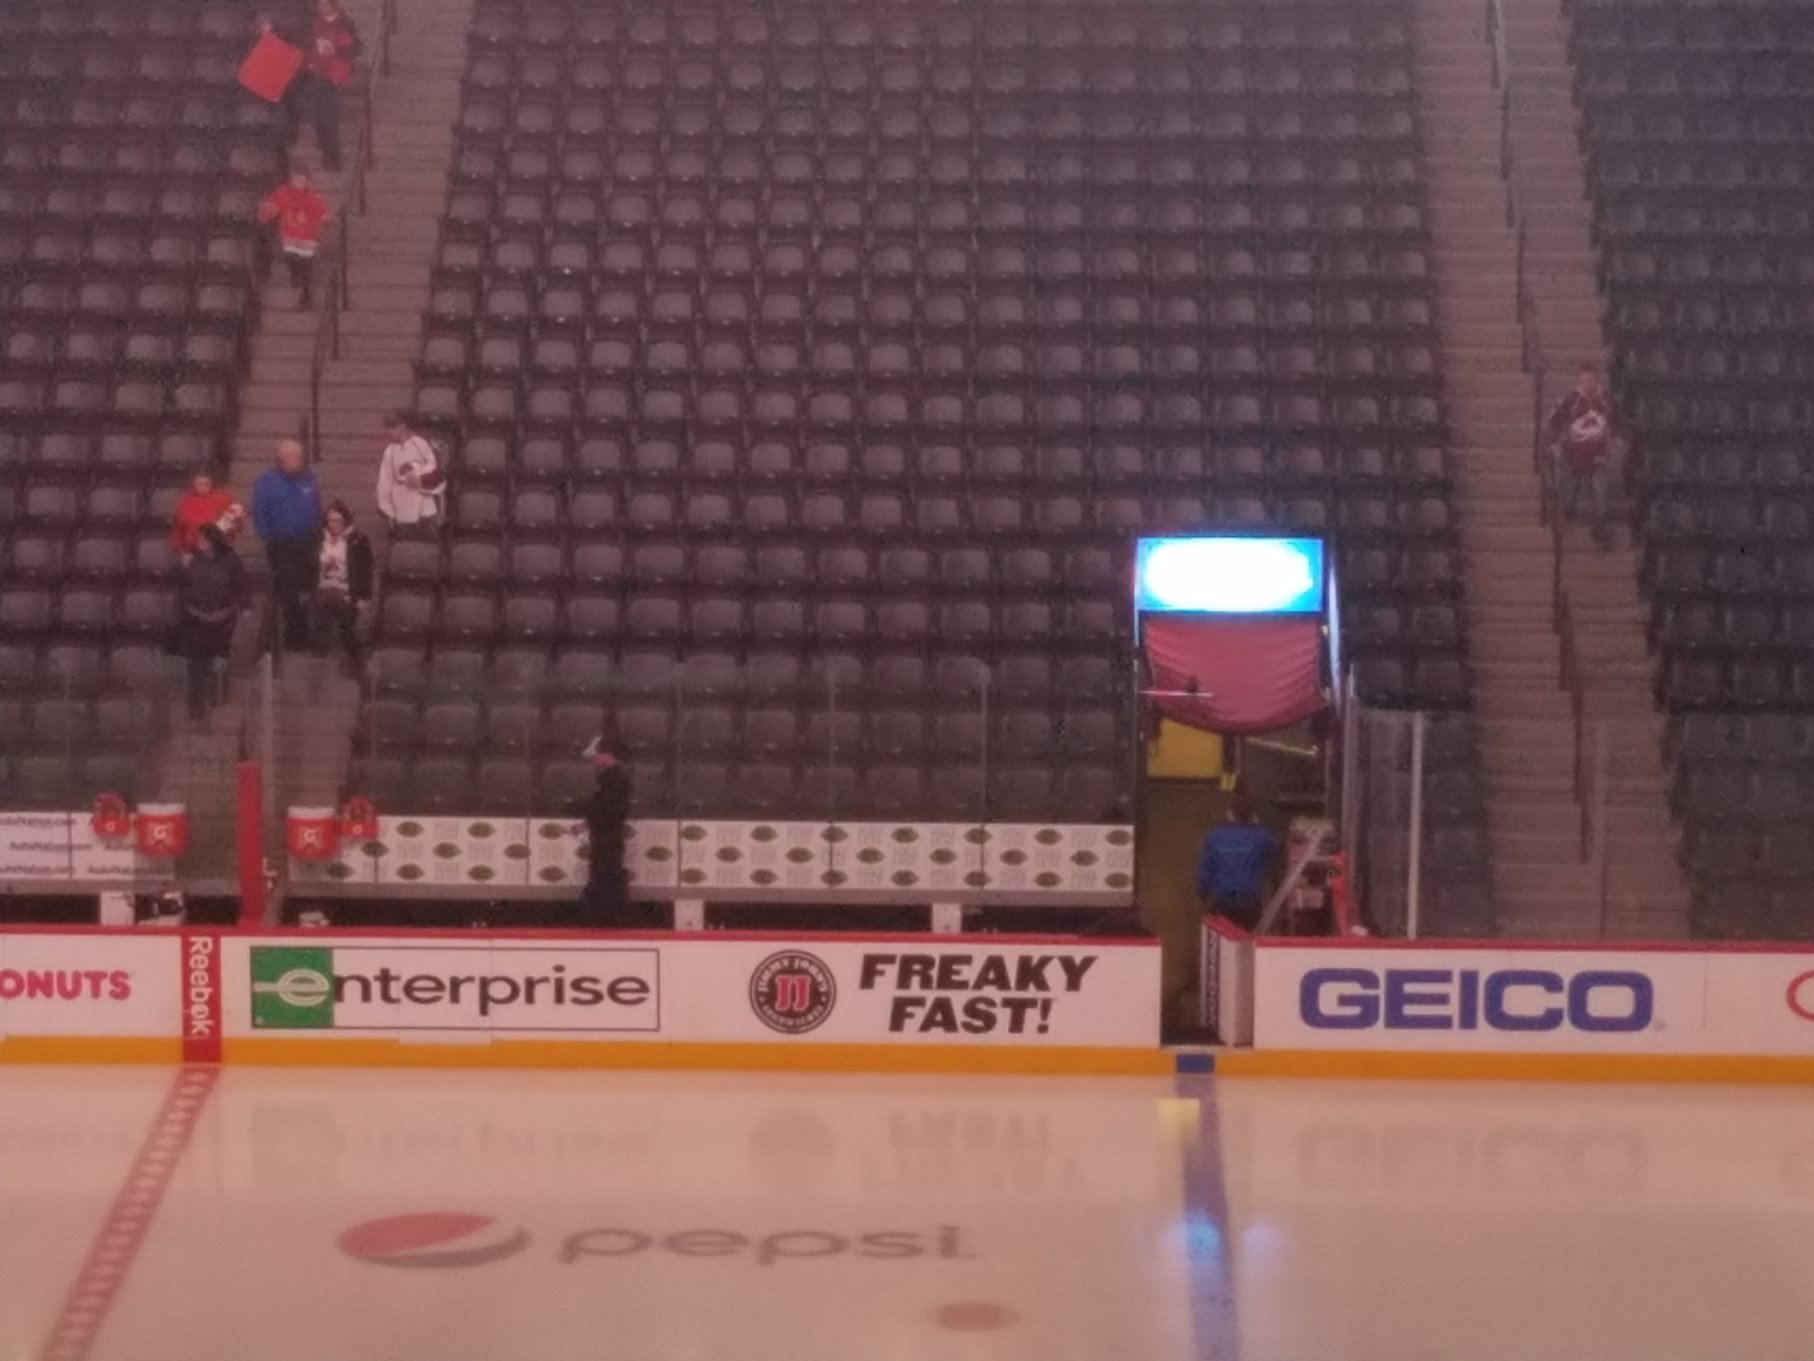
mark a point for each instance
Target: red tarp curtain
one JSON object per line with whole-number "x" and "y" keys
{"x": 1254, "y": 675}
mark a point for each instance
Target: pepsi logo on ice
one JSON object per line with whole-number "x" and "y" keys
{"x": 1603, "y": 1001}
{"x": 441, "y": 1239}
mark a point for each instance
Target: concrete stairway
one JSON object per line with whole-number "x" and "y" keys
{"x": 388, "y": 262}
{"x": 393, "y": 245}
{"x": 1545, "y": 880}
{"x": 390, "y": 255}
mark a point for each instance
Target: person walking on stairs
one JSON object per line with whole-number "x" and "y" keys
{"x": 343, "y": 587}
{"x": 299, "y": 213}
{"x": 411, "y": 480}
{"x": 1584, "y": 443}
{"x": 333, "y": 50}
{"x": 211, "y": 593}
{"x": 286, "y": 513}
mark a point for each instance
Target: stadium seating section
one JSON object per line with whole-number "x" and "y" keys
{"x": 130, "y": 164}
{"x": 802, "y": 368}
{"x": 1697, "y": 126}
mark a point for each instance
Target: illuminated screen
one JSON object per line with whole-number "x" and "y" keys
{"x": 1232, "y": 575}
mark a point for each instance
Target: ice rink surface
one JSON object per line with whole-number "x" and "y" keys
{"x": 288, "y": 1215}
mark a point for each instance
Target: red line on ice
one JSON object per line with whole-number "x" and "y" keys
{"x": 122, "y": 1233}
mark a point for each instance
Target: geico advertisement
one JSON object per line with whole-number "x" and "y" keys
{"x": 1513, "y": 1000}
{"x": 104, "y": 984}
{"x": 873, "y": 990}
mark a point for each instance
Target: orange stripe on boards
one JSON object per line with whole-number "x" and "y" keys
{"x": 90, "y": 1049}
{"x": 1784, "y": 1069}
{"x": 386, "y": 1052}
{"x": 122, "y": 1233}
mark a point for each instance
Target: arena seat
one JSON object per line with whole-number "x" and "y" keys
{"x": 819, "y": 368}
{"x": 131, "y": 163}
{"x": 1695, "y": 126}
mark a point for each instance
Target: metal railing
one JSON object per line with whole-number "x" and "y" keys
{"x": 803, "y": 751}
{"x": 1514, "y": 207}
{"x": 1589, "y": 758}
{"x": 1574, "y": 688}
{"x": 335, "y": 284}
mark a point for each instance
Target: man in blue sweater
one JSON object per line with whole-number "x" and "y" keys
{"x": 1232, "y": 867}
{"x": 286, "y": 512}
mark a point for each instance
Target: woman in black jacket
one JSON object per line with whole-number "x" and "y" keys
{"x": 343, "y": 586}
{"x": 211, "y": 593}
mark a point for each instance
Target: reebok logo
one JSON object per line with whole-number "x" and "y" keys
{"x": 433, "y": 1239}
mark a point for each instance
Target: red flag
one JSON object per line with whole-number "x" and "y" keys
{"x": 270, "y": 67}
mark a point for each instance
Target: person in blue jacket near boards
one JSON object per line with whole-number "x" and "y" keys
{"x": 286, "y": 513}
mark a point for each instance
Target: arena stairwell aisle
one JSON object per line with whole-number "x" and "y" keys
{"x": 1547, "y": 879}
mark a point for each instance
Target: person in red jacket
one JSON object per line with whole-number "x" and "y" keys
{"x": 300, "y": 213}
{"x": 333, "y": 49}
{"x": 203, "y": 504}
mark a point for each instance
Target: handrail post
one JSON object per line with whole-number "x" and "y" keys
{"x": 1602, "y": 769}
{"x": 1414, "y": 857}
{"x": 1350, "y": 786}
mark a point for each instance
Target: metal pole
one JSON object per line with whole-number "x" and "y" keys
{"x": 1140, "y": 755}
{"x": 985, "y": 848}
{"x": 267, "y": 755}
{"x": 982, "y": 713}
{"x": 251, "y": 809}
{"x": 1602, "y": 764}
{"x": 1414, "y": 869}
{"x": 1294, "y": 873}
{"x": 831, "y": 748}
{"x": 831, "y": 767}
{"x": 1350, "y": 786}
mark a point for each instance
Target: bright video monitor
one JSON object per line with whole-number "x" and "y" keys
{"x": 1228, "y": 574}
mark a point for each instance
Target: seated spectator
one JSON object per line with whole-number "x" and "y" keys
{"x": 343, "y": 586}
{"x": 203, "y": 504}
{"x": 211, "y": 594}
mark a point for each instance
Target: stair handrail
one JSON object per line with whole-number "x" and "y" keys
{"x": 1575, "y": 688}
{"x": 327, "y": 333}
{"x": 1514, "y": 208}
{"x": 335, "y": 264}
{"x": 1495, "y": 37}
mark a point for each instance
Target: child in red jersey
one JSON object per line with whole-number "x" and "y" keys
{"x": 300, "y": 213}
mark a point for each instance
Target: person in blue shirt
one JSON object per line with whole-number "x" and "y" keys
{"x": 286, "y": 512}
{"x": 1233, "y": 866}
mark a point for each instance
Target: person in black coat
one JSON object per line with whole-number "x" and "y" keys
{"x": 606, "y": 900}
{"x": 343, "y": 586}
{"x": 211, "y": 594}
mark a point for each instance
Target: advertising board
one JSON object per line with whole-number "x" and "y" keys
{"x": 702, "y": 990}
{"x": 1541, "y": 1000}
{"x": 98, "y": 985}
{"x": 49, "y": 847}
